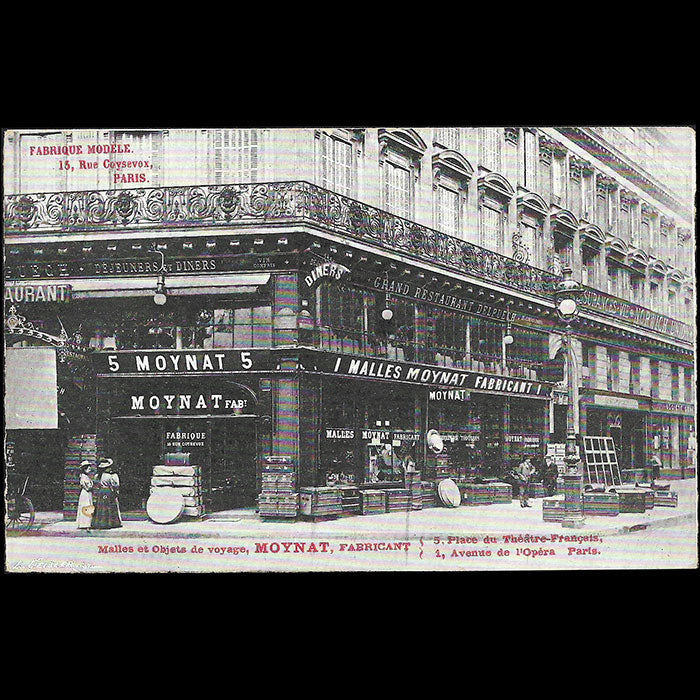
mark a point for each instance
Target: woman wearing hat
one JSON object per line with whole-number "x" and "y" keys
{"x": 105, "y": 491}
{"x": 85, "y": 506}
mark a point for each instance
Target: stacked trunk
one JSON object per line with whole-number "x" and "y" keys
{"x": 397, "y": 500}
{"x": 428, "y": 495}
{"x": 321, "y": 502}
{"x": 372, "y": 502}
{"x": 278, "y": 498}
{"x": 413, "y": 484}
{"x": 186, "y": 479}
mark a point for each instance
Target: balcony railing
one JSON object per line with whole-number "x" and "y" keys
{"x": 221, "y": 205}
{"x": 294, "y": 202}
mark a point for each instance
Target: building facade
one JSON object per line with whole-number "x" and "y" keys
{"x": 331, "y": 295}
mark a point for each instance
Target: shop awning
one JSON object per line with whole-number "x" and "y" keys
{"x": 177, "y": 285}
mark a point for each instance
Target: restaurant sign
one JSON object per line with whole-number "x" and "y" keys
{"x": 638, "y": 315}
{"x": 30, "y": 293}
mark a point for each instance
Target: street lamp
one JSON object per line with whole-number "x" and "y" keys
{"x": 160, "y": 295}
{"x": 566, "y": 295}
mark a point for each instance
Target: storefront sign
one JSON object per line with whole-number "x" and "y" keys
{"x": 144, "y": 265}
{"x": 339, "y": 434}
{"x": 328, "y": 269}
{"x": 226, "y": 400}
{"x": 431, "y": 376}
{"x": 449, "y": 395}
{"x": 524, "y": 440}
{"x": 181, "y": 361}
{"x": 673, "y": 407}
{"x": 181, "y": 439}
{"x": 615, "y": 402}
{"x": 636, "y": 314}
{"x": 29, "y": 293}
{"x": 418, "y": 293}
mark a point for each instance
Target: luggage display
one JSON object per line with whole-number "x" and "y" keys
{"x": 321, "y": 502}
{"x": 665, "y": 499}
{"x": 397, "y": 500}
{"x": 372, "y": 502}
{"x": 553, "y": 510}
{"x": 449, "y": 494}
{"x": 502, "y": 492}
{"x": 179, "y": 477}
{"x": 601, "y": 504}
{"x": 350, "y": 498}
{"x": 165, "y": 505}
{"x": 632, "y": 500}
{"x": 428, "y": 495}
{"x": 278, "y": 497}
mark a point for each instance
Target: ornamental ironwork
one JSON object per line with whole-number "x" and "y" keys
{"x": 220, "y": 205}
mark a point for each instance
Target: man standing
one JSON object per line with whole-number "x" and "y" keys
{"x": 523, "y": 473}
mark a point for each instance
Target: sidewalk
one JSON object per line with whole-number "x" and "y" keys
{"x": 463, "y": 521}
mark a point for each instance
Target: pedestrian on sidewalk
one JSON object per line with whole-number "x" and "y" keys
{"x": 105, "y": 494}
{"x": 85, "y": 504}
{"x": 523, "y": 473}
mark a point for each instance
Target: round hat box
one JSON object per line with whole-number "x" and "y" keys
{"x": 165, "y": 505}
{"x": 449, "y": 493}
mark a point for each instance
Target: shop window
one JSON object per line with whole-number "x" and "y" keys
{"x": 527, "y": 354}
{"x": 341, "y": 312}
{"x": 235, "y": 155}
{"x": 446, "y": 338}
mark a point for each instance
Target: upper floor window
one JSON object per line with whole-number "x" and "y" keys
{"x": 398, "y": 195}
{"x": 336, "y": 164}
{"x": 235, "y": 155}
{"x": 451, "y": 175}
{"x": 146, "y": 146}
{"x": 447, "y": 208}
{"x": 400, "y": 152}
{"x": 490, "y": 148}
{"x": 492, "y": 225}
{"x": 531, "y": 157}
{"x": 449, "y": 137}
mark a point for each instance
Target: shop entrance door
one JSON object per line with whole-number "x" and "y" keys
{"x": 232, "y": 477}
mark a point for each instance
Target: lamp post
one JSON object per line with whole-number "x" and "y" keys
{"x": 566, "y": 294}
{"x": 160, "y": 295}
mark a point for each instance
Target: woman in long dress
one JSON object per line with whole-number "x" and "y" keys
{"x": 85, "y": 505}
{"x": 105, "y": 491}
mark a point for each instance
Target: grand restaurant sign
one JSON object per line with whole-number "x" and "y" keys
{"x": 620, "y": 309}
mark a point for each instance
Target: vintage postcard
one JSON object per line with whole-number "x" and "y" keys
{"x": 349, "y": 349}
